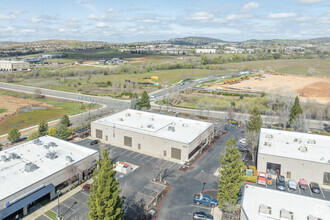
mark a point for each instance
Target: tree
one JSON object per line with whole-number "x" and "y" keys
{"x": 51, "y": 131}
{"x": 65, "y": 120}
{"x": 61, "y": 131}
{"x": 37, "y": 94}
{"x": 251, "y": 143}
{"x": 299, "y": 123}
{"x": 13, "y": 135}
{"x": 231, "y": 176}
{"x": 255, "y": 120}
{"x": 144, "y": 101}
{"x": 134, "y": 101}
{"x": 43, "y": 128}
{"x": 104, "y": 201}
{"x": 33, "y": 135}
{"x": 295, "y": 110}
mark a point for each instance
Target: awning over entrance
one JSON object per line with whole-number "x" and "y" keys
{"x": 26, "y": 201}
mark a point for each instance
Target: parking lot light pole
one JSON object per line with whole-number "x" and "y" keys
{"x": 203, "y": 188}
{"x": 58, "y": 204}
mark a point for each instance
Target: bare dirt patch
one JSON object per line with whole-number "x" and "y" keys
{"x": 13, "y": 105}
{"x": 308, "y": 87}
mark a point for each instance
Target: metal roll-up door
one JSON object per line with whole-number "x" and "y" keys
{"x": 176, "y": 153}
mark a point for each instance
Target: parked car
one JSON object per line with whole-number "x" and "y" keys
{"x": 280, "y": 183}
{"x": 269, "y": 179}
{"x": 292, "y": 184}
{"x": 241, "y": 148}
{"x": 205, "y": 200}
{"x": 242, "y": 141}
{"x": 303, "y": 184}
{"x": 315, "y": 187}
{"x": 86, "y": 187}
{"x": 261, "y": 178}
{"x": 202, "y": 215}
{"x": 95, "y": 142}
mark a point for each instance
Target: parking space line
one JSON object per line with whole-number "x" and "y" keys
{"x": 83, "y": 192}
{"x": 123, "y": 152}
{"x": 201, "y": 207}
{"x": 137, "y": 155}
{"x": 144, "y": 157}
{"x": 171, "y": 166}
{"x": 131, "y": 153}
{"x": 322, "y": 193}
{"x": 68, "y": 207}
{"x": 310, "y": 190}
{"x": 150, "y": 159}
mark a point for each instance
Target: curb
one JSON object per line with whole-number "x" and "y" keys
{"x": 160, "y": 205}
{"x": 203, "y": 153}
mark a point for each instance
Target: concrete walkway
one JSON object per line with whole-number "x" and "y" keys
{"x": 53, "y": 203}
{"x": 217, "y": 213}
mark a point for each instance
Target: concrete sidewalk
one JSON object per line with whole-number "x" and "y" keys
{"x": 217, "y": 213}
{"x": 53, "y": 203}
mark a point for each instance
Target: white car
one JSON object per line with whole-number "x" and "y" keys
{"x": 242, "y": 141}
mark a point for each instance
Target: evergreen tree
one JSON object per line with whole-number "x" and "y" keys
{"x": 144, "y": 102}
{"x": 13, "y": 135}
{"x": 65, "y": 120}
{"x": 43, "y": 128}
{"x": 61, "y": 132}
{"x": 134, "y": 101}
{"x": 33, "y": 135}
{"x": 255, "y": 120}
{"x": 295, "y": 110}
{"x": 231, "y": 176}
{"x": 51, "y": 131}
{"x": 104, "y": 201}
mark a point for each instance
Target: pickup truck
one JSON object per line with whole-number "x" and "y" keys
{"x": 205, "y": 200}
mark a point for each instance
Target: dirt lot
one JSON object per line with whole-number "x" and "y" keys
{"x": 13, "y": 105}
{"x": 308, "y": 87}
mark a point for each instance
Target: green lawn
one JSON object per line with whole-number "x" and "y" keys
{"x": 2, "y": 110}
{"x": 51, "y": 214}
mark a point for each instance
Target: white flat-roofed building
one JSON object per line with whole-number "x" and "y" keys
{"x": 206, "y": 51}
{"x": 166, "y": 137}
{"x": 6, "y": 65}
{"x": 295, "y": 155}
{"x": 39, "y": 168}
{"x": 260, "y": 203}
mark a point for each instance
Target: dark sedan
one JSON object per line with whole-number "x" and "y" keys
{"x": 315, "y": 187}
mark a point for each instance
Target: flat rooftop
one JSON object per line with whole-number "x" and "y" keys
{"x": 14, "y": 178}
{"x": 296, "y": 145}
{"x": 158, "y": 125}
{"x": 301, "y": 206}
{"x": 11, "y": 61}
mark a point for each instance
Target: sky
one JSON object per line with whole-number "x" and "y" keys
{"x": 146, "y": 20}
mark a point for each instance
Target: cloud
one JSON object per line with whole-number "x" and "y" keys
{"x": 42, "y": 18}
{"x": 28, "y": 30}
{"x": 282, "y": 15}
{"x": 97, "y": 17}
{"x": 112, "y": 10}
{"x": 251, "y": 5}
{"x": 102, "y": 24}
{"x": 309, "y": 2}
{"x": 18, "y": 12}
{"x": 201, "y": 16}
{"x": 7, "y": 17}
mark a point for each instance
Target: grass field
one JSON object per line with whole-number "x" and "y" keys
{"x": 27, "y": 119}
{"x": 2, "y": 110}
{"x": 315, "y": 67}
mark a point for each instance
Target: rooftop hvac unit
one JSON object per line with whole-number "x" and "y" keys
{"x": 311, "y": 142}
{"x": 311, "y": 217}
{"x": 152, "y": 119}
{"x": 265, "y": 209}
{"x": 37, "y": 142}
{"x": 269, "y": 136}
{"x": 13, "y": 156}
{"x": 303, "y": 149}
{"x": 51, "y": 155}
{"x": 127, "y": 114}
{"x": 52, "y": 144}
{"x": 46, "y": 146}
{"x": 171, "y": 128}
{"x": 185, "y": 125}
{"x": 120, "y": 119}
{"x": 4, "y": 158}
{"x": 69, "y": 159}
{"x": 150, "y": 126}
{"x": 30, "y": 167}
{"x": 286, "y": 214}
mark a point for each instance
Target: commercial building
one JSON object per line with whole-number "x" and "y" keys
{"x": 166, "y": 137}
{"x": 206, "y": 51}
{"x": 260, "y": 203}
{"x": 6, "y": 65}
{"x": 36, "y": 169}
{"x": 295, "y": 155}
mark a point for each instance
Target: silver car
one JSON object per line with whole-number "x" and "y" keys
{"x": 292, "y": 184}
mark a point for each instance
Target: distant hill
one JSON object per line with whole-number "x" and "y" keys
{"x": 320, "y": 40}
{"x": 193, "y": 41}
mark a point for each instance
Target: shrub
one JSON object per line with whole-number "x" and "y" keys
{"x": 252, "y": 179}
{"x": 244, "y": 167}
{"x": 255, "y": 172}
{"x": 252, "y": 167}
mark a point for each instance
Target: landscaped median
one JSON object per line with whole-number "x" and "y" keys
{"x": 52, "y": 215}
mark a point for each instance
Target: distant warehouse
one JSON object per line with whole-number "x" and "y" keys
{"x": 37, "y": 169}
{"x": 166, "y": 137}
{"x": 295, "y": 155}
{"x": 206, "y": 51}
{"x": 6, "y": 65}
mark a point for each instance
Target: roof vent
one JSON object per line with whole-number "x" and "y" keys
{"x": 311, "y": 217}
{"x": 269, "y": 136}
{"x": 173, "y": 123}
{"x": 127, "y": 114}
{"x": 4, "y": 158}
{"x": 171, "y": 128}
{"x": 286, "y": 214}
{"x": 265, "y": 209}
{"x": 150, "y": 126}
{"x": 311, "y": 142}
{"x": 185, "y": 125}
{"x": 37, "y": 142}
{"x": 152, "y": 119}
{"x": 30, "y": 167}
{"x": 120, "y": 119}
{"x": 69, "y": 159}
{"x": 295, "y": 140}
{"x": 46, "y": 146}
{"x": 303, "y": 149}
{"x": 13, "y": 156}
{"x": 267, "y": 144}
{"x": 51, "y": 155}
{"x": 52, "y": 144}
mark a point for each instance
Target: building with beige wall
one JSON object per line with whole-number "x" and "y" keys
{"x": 6, "y": 65}
{"x": 260, "y": 203}
{"x": 37, "y": 169}
{"x": 295, "y": 155}
{"x": 206, "y": 51}
{"x": 162, "y": 136}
